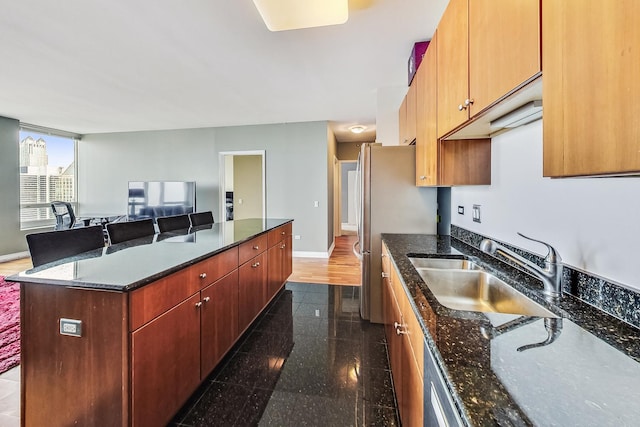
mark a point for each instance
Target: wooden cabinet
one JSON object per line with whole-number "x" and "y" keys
{"x": 165, "y": 363}
{"x": 219, "y": 321}
{"x": 406, "y": 346}
{"x": 453, "y": 66}
{"x": 504, "y": 48}
{"x": 407, "y": 118}
{"x": 452, "y": 162}
{"x": 590, "y": 83}
{"x": 486, "y": 50}
{"x": 280, "y": 259}
{"x": 252, "y": 283}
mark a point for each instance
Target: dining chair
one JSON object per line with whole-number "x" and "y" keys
{"x": 123, "y": 231}
{"x": 176, "y": 222}
{"x": 65, "y": 217}
{"x": 55, "y": 245}
{"x": 201, "y": 218}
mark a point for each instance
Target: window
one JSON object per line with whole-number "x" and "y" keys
{"x": 47, "y": 173}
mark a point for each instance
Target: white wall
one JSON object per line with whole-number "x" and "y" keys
{"x": 296, "y": 169}
{"x": 593, "y": 222}
{"x": 388, "y": 104}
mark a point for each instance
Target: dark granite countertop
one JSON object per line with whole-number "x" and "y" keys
{"x": 129, "y": 265}
{"x": 590, "y": 374}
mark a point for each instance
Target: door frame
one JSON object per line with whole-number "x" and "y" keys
{"x": 221, "y": 168}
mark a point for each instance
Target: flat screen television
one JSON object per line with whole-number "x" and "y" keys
{"x": 153, "y": 199}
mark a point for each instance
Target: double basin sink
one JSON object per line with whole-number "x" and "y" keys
{"x": 461, "y": 284}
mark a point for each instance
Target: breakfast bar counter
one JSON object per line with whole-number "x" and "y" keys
{"x": 122, "y": 336}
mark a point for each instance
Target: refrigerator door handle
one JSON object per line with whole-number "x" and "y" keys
{"x": 357, "y": 252}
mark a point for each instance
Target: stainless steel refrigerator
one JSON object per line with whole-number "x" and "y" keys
{"x": 387, "y": 201}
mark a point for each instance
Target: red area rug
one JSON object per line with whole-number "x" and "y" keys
{"x": 9, "y": 325}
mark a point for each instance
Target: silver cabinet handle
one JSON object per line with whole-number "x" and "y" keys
{"x": 385, "y": 275}
{"x": 256, "y": 247}
{"x": 461, "y": 107}
{"x": 206, "y": 299}
{"x": 468, "y": 102}
{"x": 283, "y": 233}
{"x": 422, "y": 177}
{"x": 257, "y": 264}
{"x": 283, "y": 246}
{"x": 203, "y": 275}
{"x": 400, "y": 329}
{"x": 199, "y": 304}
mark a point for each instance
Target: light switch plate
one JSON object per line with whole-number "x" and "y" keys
{"x": 476, "y": 213}
{"x": 71, "y": 327}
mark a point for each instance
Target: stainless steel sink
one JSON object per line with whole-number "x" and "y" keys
{"x": 444, "y": 263}
{"x": 479, "y": 291}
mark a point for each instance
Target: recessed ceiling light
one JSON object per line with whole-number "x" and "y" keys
{"x": 357, "y": 129}
{"x": 280, "y": 15}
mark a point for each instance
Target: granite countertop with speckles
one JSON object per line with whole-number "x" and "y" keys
{"x": 589, "y": 375}
{"x": 129, "y": 265}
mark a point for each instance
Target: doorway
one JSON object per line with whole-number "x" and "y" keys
{"x": 347, "y": 187}
{"x": 242, "y": 185}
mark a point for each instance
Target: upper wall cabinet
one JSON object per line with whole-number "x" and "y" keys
{"x": 591, "y": 124}
{"x": 407, "y": 115}
{"x": 444, "y": 163}
{"x": 486, "y": 50}
{"x": 453, "y": 67}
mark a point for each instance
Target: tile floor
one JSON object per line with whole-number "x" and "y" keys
{"x": 308, "y": 360}
{"x": 10, "y": 398}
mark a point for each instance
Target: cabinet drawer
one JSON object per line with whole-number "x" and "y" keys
{"x": 253, "y": 247}
{"x": 211, "y": 269}
{"x": 152, "y": 300}
{"x": 278, "y": 234}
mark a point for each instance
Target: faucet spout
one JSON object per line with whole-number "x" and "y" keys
{"x": 550, "y": 275}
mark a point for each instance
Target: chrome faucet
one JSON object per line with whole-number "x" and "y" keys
{"x": 552, "y": 325}
{"x": 550, "y": 275}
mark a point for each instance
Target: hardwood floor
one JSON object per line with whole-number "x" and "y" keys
{"x": 16, "y": 266}
{"x": 342, "y": 268}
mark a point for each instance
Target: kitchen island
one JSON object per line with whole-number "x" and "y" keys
{"x": 124, "y": 335}
{"x": 587, "y": 374}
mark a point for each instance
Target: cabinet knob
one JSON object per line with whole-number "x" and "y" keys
{"x": 256, "y": 247}
{"x": 206, "y": 299}
{"x": 283, "y": 246}
{"x": 283, "y": 233}
{"x": 468, "y": 102}
{"x": 461, "y": 107}
{"x": 257, "y": 264}
{"x": 422, "y": 177}
{"x": 385, "y": 275}
{"x": 203, "y": 275}
{"x": 199, "y": 304}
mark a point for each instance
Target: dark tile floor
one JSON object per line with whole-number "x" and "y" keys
{"x": 308, "y": 360}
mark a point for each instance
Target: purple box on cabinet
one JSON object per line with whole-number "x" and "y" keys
{"x": 415, "y": 59}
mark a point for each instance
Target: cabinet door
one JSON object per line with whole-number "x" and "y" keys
{"x": 427, "y": 156}
{"x": 165, "y": 363}
{"x": 591, "y": 122}
{"x": 275, "y": 267}
{"x": 402, "y": 122}
{"x": 219, "y": 322}
{"x": 453, "y": 66}
{"x": 252, "y": 290}
{"x": 504, "y": 48}
{"x": 287, "y": 267}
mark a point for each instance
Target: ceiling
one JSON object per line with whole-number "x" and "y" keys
{"x": 90, "y": 66}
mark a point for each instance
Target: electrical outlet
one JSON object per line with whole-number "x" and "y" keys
{"x": 316, "y": 203}
{"x": 71, "y": 327}
{"x": 296, "y": 237}
{"x": 476, "y": 213}
{"x": 461, "y": 210}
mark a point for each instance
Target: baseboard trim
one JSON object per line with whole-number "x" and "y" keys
{"x": 306, "y": 254}
{"x": 13, "y": 257}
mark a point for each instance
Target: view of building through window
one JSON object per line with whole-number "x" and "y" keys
{"x": 47, "y": 173}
